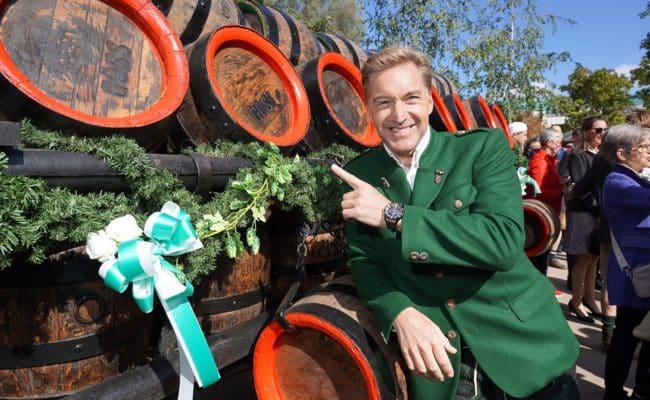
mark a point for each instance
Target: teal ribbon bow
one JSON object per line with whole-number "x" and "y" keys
{"x": 140, "y": 262}
{"x": 525, "y": 179}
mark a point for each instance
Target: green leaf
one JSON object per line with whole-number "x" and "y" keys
{"x": 231, "y": 246}
{"x": 259, "y": 213}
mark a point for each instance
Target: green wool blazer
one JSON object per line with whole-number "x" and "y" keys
{"x": 459, "y": 260}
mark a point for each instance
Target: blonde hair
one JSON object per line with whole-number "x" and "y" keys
{"x": 392, "y": 56}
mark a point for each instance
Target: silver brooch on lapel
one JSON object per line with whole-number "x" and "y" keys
{"x": 384, "y": 182}
{"x": 438, "y": 177}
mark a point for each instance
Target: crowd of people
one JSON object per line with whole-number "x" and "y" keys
{"x": 601, "y": 184}
{"x": 435, "y": 230}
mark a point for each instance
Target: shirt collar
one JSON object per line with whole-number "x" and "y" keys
{"x": 417, "y": 153}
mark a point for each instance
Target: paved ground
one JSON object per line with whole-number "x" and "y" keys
{"x": 591, "y": 363}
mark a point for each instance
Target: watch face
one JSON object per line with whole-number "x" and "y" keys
{"x": 394, "y": 211}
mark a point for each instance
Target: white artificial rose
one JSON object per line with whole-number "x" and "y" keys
{"x": 99, "y": 246}
{"x": 123, "y": 228}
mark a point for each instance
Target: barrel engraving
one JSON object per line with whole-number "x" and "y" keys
{"x": 116, "y": 73}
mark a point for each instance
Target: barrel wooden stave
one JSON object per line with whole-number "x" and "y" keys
{"x": 344, "y": 46}
{"x": 444, "y": 85}
{"x": 192, "y": 19}
{"x": 325, "y": 259}
{"x": 91, "y": 66}
{"x": 39, "y": 316}
{"x": 290, "y": 35}
{"x": 248, "y": 274}
{"x": 541, "y": 226}
{"x": 329, "y": 352}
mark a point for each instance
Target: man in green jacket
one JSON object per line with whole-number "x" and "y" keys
{"x": 435, "y": 230}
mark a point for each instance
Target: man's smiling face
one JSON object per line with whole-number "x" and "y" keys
{"x": 399, "y": 104}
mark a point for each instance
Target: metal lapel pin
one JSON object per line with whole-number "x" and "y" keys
{"x": 384, "y": 182}
{"x": 438, "y": 177}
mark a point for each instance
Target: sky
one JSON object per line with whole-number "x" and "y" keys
{"x": 607, "y": 34}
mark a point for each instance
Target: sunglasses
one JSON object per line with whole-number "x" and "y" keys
{"x": 600, "y": 130}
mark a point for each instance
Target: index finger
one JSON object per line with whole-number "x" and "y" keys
{"x": 347, "y": 177}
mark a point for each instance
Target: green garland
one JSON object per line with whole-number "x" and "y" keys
{"x": 36, "y": 220}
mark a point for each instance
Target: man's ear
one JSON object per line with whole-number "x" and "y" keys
{"x": 620, "y": 154}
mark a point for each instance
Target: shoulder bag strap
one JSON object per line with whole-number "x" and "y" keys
{"x": 622, "y": 262}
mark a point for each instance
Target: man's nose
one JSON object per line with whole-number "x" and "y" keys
{"x": 399, "y": 111}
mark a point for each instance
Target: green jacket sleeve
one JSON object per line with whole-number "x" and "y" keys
{"x": 376, "y": 290}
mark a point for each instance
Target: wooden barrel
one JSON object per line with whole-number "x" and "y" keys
{"x": 91, "y": 66}
{"x": 502, "y": 123}
{"x": 458, "y": 113}
{"x": 192, "y": 19}
{"x": 541, "y": 225}
{"x": 235, "y": 292}
{"x": 335, "y": 352}
{"x": 479, "y": 112}
{"x": 440, "y": 118}
{"x": 344, "y": 46}
{"x": 339, "y": 114}
{"x": 242, "y": 88}
{"x": 444, "y": 85}
{"x": 291, "y": 36}
{"x": 325, "y": 259}
{"x": 63, "y": 329}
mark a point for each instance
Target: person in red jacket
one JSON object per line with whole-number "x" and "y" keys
{"x": 542, "y": 168}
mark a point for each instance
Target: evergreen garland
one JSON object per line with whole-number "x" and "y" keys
{"x": 36, "y": 219}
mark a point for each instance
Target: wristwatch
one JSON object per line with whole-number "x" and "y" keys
{"x": 393, "y": 213}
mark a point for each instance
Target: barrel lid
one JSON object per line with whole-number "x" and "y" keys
{"x": 238, "y": 37}
{"x": 341, "y": 65}
{"x": 443, "y": 111}
{"x": 486, "y": 111}
{"x": 462, "y": 112}
{"x": 503, "y": 124}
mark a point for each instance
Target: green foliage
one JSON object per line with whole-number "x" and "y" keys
{"x": 335, "y": 16}
{"x": 36, "y": 219}
{"x": 494, "y": 49}
{"x": 601, "y": 92}
{"x": 641, "y": 75}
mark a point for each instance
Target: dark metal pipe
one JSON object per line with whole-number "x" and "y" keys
{"x": 159, "y": 378}
{"x": 85, "y": 173}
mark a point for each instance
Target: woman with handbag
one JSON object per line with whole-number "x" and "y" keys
{"x": 582, "y": 208}
{"x": 626, "y": 204}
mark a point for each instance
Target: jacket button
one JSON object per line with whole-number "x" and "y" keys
{"x": 439, "y": 273}
{"x": 451, "y": 335}
{"x": 458, "y": 204}
{"x": 451, "y": 303}
{"x": 424, "y": 256}
{"x": 414, "y": 256}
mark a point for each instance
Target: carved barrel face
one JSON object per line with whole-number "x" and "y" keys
{"x": 84, "y": 54}
{"x": 253, "y": 90}
{"x": 347, "y": 106}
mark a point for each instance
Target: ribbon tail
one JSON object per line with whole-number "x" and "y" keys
{"x": 191, "y": 341}
{"x": 186, "y": 384}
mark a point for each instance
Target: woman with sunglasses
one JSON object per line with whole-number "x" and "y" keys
{"x": 582, "y": 209}
{"x": 626, "y": 204}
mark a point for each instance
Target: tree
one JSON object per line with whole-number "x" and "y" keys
{"x": 332, "y": 16}
{"x": 602, "y": 92}
{"x": 641, "y": 75}
{"x": 491, "y": 47}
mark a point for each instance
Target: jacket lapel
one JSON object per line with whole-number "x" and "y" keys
{"x": 392, "y": 181}
{"x": 432, "y": 173}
